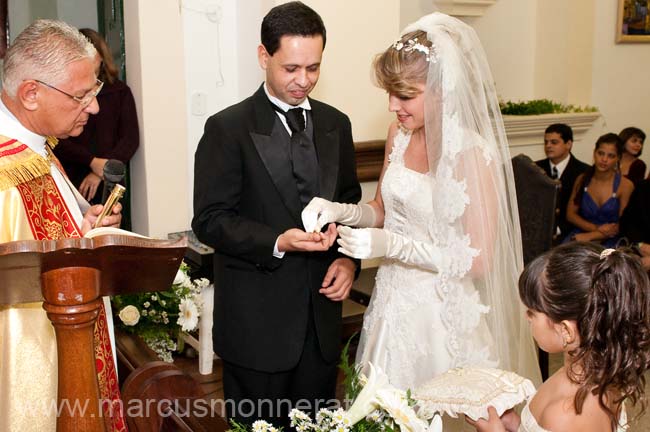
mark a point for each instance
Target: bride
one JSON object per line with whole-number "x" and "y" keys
{"x": 444, "y": 216}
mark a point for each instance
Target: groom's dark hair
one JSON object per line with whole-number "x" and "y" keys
{"x": 290, "y": 19}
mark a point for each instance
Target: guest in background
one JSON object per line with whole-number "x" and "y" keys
{"x": 111, "y": 134}
{"x": 631, "y": 166}
{"x": 600, "y": 195}
{"x": 635, "y": 222}
{"x": 561, "y": 164}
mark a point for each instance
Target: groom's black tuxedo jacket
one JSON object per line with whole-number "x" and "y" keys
{"x": 245, "y": 196}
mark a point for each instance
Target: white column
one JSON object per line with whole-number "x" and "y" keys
{"x": 156, "y": 75}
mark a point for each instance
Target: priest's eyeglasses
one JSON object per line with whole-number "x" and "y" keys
{"x": 84, "y": 100}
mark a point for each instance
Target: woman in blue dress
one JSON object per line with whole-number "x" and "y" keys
{"x": 600, "y": 195}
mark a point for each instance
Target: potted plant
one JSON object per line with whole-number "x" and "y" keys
{"x": 525, "y": 122}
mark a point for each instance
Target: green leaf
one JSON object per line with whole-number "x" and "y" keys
{"x": 540, "y": 106}
{"x": 350, "y": 372}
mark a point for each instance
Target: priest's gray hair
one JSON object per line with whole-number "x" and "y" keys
{"x": 43, "y": 51}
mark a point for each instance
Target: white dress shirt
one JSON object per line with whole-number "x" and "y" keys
{"x": 561, "y": 166}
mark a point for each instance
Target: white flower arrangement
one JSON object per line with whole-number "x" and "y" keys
{"x": 162, "y": 317}
{"x": 378, "y": 406}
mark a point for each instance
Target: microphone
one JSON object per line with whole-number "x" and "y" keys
{"x": 114, "y": 171}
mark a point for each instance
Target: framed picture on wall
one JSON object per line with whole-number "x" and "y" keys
{"x": 633, "y": 21}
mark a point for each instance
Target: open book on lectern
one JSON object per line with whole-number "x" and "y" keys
{"x": 100, "y": 231}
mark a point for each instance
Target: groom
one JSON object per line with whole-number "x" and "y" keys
{"x": 278, "y": 289}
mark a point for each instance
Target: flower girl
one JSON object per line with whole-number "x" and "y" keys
{"x": 592, "y": 305}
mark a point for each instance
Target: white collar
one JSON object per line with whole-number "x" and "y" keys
{"x": 12, "y": 128}
{"x": 562, "y": 165}
{"x": 283, "y": 105}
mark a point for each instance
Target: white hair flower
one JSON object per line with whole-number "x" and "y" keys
{"x": 413, "y": 45}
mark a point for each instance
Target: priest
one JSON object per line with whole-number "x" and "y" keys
{"x": 49, "y": 90}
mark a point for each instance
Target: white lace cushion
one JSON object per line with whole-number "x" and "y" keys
{"x": 471, "y": 391}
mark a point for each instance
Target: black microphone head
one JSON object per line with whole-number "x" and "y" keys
{"x": 114, "y": 171}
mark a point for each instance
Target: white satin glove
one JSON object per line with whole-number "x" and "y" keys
{"x": 367, "y": 243}
{"x": 319, "y": 212}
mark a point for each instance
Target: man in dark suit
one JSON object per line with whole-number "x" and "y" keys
{"x": 561, "y": 164}
{"x": 278, "y": 289}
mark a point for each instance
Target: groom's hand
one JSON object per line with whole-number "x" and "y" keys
{"x": 296, "y": 240}
{"x": 338, "y": 279}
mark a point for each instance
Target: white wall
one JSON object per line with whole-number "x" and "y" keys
{"x": 345, "y": 80}
{"x": 155, "y": 67}
{"x": 508, "y": 34}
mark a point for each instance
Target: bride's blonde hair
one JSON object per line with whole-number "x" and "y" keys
{"x": 398, "y": 69}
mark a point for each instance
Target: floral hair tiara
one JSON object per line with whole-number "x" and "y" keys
{"x": 413, "y": 45}
{"x": 606, "y": 252}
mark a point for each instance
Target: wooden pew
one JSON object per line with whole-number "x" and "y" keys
{"x": 192, "y": 395}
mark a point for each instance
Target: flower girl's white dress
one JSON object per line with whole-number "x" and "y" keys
{"x": 529, "y": 424}
{"x": 420, "y": 323}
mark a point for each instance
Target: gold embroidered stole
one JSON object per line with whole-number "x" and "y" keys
{"x": 48, "y": 214}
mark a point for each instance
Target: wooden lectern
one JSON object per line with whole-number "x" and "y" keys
{"x": 70, "y": 276}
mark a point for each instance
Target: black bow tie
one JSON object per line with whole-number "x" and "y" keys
{"x": 295, "y": 118}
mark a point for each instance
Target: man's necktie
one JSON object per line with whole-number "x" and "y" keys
{"x": 554, "y": 173}
{"x": 303, "y": 156}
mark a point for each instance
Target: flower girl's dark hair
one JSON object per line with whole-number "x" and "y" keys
{"x": 607, "y": 293}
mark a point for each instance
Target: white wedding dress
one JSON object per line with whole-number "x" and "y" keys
{"x": 420, "y": 323}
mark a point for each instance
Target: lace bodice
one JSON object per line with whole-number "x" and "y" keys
{"x": 411, "y": 211}
{"x": 421, "y": 323}
{"x": 406, "y": 194}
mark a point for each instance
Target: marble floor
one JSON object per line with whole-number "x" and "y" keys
{"x": 642, "y": 424}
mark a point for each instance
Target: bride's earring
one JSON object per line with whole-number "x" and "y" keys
{"x": 564, "y": 343}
